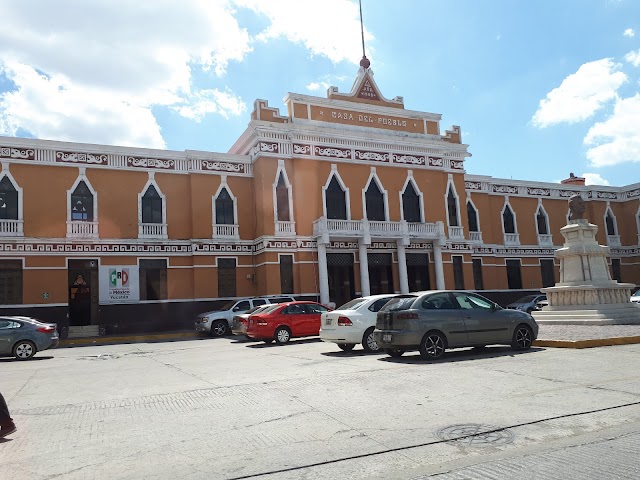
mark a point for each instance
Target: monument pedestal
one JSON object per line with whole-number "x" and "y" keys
{"x": 586, "y": 294}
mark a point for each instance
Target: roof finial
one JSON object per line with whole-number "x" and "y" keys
{"x": 364, "y": 63}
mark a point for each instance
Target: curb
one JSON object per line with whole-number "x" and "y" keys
{"x": 88, "y": 341}
{"x": 599, "y": 342}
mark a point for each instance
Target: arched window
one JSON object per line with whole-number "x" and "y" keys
{"x": 151, "y": 206}
{"x": 411, "y": 204}
{"x": 508, "y": 220}
{"x": 335, "y": 200}
{"x": 224, "y": 208}
{"x": 375, "y": 202}
{"x": 542, "y": 222}
{"x": 472, "y": 215}
{"x": 282, "y": 200}
{"x": 82, "y": 203}
{"x": 610, "y": 222}
{"x": 8, "y": 200}
{"x": 452, "y": 208}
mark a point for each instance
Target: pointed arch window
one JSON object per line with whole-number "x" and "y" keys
{"x": 8, "y": 200}
{"x": 452, "y": 208}
{"x": 282, "y": 200}
{"x": 336, "y": 202}
{"x": 225, "y": 214}
{"x": 610, "y": 223}
{"x": 542, "y": 222}
{"x": 472, "y": 215}
{"x": 411, "y": 204}
{"x": 82, "y": 203}
{"x": 152, "y": 206}
{"x": 508, "y": 220}
{"x": 375, "y": 202}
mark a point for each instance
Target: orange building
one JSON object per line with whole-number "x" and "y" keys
{"x": 346, "y": 195}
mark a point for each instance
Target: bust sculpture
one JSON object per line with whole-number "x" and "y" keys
{"x": 577, "y": 207}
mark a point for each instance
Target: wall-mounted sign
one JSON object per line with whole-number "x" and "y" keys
{"x": 119, "y": 284}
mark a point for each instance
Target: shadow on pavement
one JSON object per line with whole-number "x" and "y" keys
{"x": 352, "y": 353}
{"x": 11, "y": 359}
{"x": 462, "y": 355}
{"x": 301, "y": 341}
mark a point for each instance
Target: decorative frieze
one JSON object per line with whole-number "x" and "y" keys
{"x": 508, "y": 189}
{"x": 211, "y": 165}
{"x": 634, "y": 193}
{"x": 151, "y": 163}
{"x": 436, "y": 162}
{"x": 301, "y": 149}
{"x": 332, "y": 152}
{"x": 607, "y": 195}
{"x": 409, "y": 159}
{"x": 540, "y": 192}
{"x": 374, "y": 156}
{"x": 270, "y": 147}
{"x": 17, "y": 153}
{"x": 457, "y": 164}
{"x": 78, "y": 157}
{"x": 473, "y": 185}
{"x": 571, "y": 193}
{"x": 94, "y": 248}
{"x": 516, "y": 251}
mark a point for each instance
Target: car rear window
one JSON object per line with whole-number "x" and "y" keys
{"x": 398, "y": 303}
{"x": 527, "y": 299}
{"x": 353, "y": 304}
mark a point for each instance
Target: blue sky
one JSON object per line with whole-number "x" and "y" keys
{"x": 540, "y": 88}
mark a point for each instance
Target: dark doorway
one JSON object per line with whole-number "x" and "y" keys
{"x": 380, "y": 273}
{"x": 418, "y": 272}
{"x": 83, "y": 292}
{"x": 341, "y": 278}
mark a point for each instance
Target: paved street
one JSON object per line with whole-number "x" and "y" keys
{"x": 223, "y": 409}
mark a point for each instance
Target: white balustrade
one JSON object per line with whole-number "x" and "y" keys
{"x": 456, "y": 233}
{"x": 285, "y": 229}
{"x": 80, "y": 229}
{"x": 475, "y": 237}
{"x": 613, "y": 240}
{"x": 385, "y": 228}
{"x": 152, "y": 230}
{"x": 226, "y": 231}
{"x": 545, "y": 239}
{"x": 344, "y": 226}
{"x": 11, "y": 228}
{"x": 512, "y": 239}
{"x": 423, "y": 230}
{"x": 375, "y": 228}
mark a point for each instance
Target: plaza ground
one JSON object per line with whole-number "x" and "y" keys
{"x": 224, "y": 408}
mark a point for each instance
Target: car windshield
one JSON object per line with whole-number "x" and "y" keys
{"x": 637, "y": 294}
{"x": 398, "y": 303}
{"x": 353, "y": 304}
{"x": 527, "y": 299}
{"x": 227, "y": 306}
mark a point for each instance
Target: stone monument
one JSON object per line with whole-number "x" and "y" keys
{"x": 586, "y": 294}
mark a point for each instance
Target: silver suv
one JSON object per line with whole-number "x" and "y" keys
{"x": 218, "y": 322}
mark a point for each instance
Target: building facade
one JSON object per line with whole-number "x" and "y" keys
{"x": 346, "y": 195}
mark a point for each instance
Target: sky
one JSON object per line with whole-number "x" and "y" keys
{"x": 540, "y": 89}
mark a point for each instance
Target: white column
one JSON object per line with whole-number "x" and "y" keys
{"x": 323, "y": 273}
{"x": 402, "y": 268}
{"x": 437, "y": 261}
{"x": 364, "y": 269}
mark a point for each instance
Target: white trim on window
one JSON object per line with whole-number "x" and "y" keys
{"x": 225, "y": 231}
{"x": 12, "y": 228}
{"x": 543, "y": 238}
{"x": 81, "y": 228}
{"x": 456, "y": 232}
{"x": 509, "y": 238}
{"x": 373, "y": 176}
{"x": 474, "y": 236}
{"x": 638, "y": 222}
{"x": 283, "y": 228}
{"x": 411, "y": 180}
{"x": 334, "y": 173}
{"x": 613, "y": 240}
{"x": 152, "y": 230}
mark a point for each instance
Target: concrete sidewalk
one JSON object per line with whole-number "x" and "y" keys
{"x": 557, "y": 336}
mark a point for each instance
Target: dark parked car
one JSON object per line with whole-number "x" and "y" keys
{"x": 528, "y": 303}
{"x": 433, "y": 321}
{"x": 22, "y": 337}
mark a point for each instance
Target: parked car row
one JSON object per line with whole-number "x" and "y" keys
{"x": 430, "y": 322}
{"x": 23, "y": 337}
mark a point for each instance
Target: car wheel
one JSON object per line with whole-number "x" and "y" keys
{"x": 369, "y": 343}
{"x": 219, "y": 328}
{"x": 522, "y": 338}
{"x": 347, "y": 347}
{"x": 24, "y": 350}
{"x": 282, "y": 335}
{"x": 433, "y": 345}
{"x": 394, "y": 352}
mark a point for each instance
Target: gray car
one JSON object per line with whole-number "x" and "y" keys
{"x": 433, "y": 321}
{"x": 527, "y": 303}
{"x": 22, "y": 337}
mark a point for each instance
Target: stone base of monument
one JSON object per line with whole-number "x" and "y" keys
{"x": 586, "y": 294}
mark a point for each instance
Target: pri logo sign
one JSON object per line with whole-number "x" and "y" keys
{"x": 119, "y": 277}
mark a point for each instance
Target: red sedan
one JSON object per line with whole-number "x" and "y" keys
{"x": 288, "y": 320}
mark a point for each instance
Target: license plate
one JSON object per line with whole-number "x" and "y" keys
{"x": 327, "y": 321}
{"x": 386, "y": 337}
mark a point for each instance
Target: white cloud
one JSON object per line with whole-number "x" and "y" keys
{"x": 211, "y": 101}
{"x": 330, "y": 28}
{"x": 594, "y": 179}
{"x": 617, "y": 139}
{"x": 313, "y": 86}
{"x": 629, "y": 33}
{"x": 581, "y": 94}
{"x": 633, "y": 58}
{"x": 104, "y": 67}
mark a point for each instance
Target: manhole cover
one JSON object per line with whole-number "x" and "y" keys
{"x": 475, "y": 434}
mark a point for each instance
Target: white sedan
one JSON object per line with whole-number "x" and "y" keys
{"x": 353, "y": 323}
